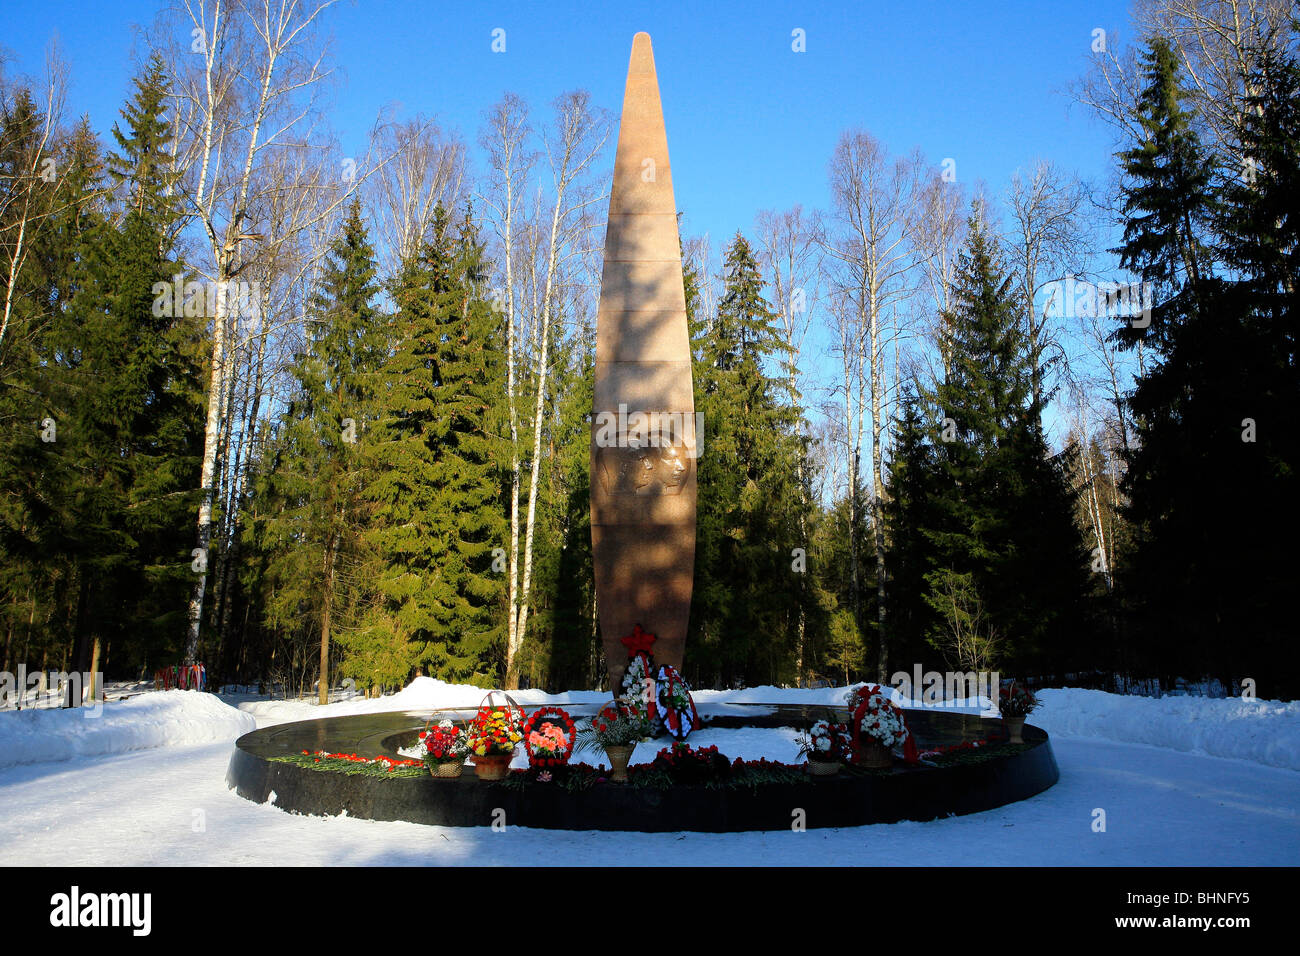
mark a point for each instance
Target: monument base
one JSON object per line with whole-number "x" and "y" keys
{"x": 844, "y": 800}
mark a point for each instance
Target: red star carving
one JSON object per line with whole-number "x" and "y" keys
{"x": 637, "y": 642}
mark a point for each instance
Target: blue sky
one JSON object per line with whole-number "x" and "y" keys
{"x": 751, "y": 123}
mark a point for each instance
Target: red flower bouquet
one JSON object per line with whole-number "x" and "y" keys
{"x": 1015, "y": 700}
{"x": 622, "y": 723}
{"x": 445, "y": 743}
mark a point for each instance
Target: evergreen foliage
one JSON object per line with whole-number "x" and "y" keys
{"x": 437, "y": 471}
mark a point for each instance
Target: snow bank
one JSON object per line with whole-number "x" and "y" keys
{"x": 1263, "y": 731}
{"x": 422, "y": 694}
{"x": 173, "y": 718}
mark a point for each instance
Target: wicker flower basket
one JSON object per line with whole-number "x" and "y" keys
{"x": 618, "y": 759}
{"x": 1015, "y": 727}
{"x": 870, "y": 752}
{"x": 492, "y": 766}
{"x": 823, "y": 768}
{"x": 447, "y": 768}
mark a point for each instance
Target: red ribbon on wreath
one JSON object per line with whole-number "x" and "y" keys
{"x": 535, "y": 722}
{"x": 909, "y": 745}
{"x": 679, "y": 721}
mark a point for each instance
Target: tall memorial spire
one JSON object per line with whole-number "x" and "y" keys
{"x": 644, "y": 445}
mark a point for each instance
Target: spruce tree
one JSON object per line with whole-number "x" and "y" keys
{"x": 145, "y": 170}
{"x": 908, "y": 510}
{"x": 1003, "y": 536}
{"x": 1211, "y": 476}
{"x": 1168, "y": 205}
{"x": 438, "y": 481}
{"x": 314, "y": 529}
{"x": 748, "y": 497}
{"x": 120, "y": 387}
{"x": 1260, "y": 230}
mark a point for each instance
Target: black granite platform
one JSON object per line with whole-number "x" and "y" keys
{"x": 904, "y": 793}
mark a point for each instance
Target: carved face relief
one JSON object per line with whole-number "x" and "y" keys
{"x": 641, "y": 466}
{"x": 671, "y": 467}
{"x": 645, "y": 471}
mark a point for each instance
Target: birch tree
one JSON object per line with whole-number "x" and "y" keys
{"x": 510, "y": 162}
{"x": 27, "y": 195}
{"x": 571, "y": 146}
{"x": 872, "y": 196}
{"x": 427, "y": 170}
{"x": 1046, "y": 242}
{"x": 542, "y": 229}
{"x": 938, "y": 231}
{"x": 249, "y": 76}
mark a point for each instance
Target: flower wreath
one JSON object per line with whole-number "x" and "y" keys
{"x": 559, "y": 728}
{"x": 639, "y": 683}
{"x": 638, "y": 679}
{"x": 675, "y": 704}
{"x": 874, "y": 715}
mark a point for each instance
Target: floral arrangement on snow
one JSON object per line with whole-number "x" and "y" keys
{"x": 874, "y": 715}
{"x": 639, "y": 682}
{"x": 1015, "y": 700}
{"x": 674, "y": 704}
{"x": 619, "y": 724}
{"x": 495, "y": 731}
{"x": 549, "y": 737}
{"x": 388, "y": 763}
{"x": 445, "y": 743}
{"x": 639, "y": 677}
{"x": 687, "y": 764}
{"x": 826, "y": 742}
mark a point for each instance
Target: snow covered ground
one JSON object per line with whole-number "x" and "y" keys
{"x": 162, "y": 719}
{"x": 146, "y": 785}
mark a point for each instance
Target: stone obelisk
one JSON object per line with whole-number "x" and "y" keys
{"x": 643, "y": 449}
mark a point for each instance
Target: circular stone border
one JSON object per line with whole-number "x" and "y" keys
{"x": 844, "y": 800}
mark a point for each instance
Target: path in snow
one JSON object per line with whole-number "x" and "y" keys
{"x": 172, "y": 807}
